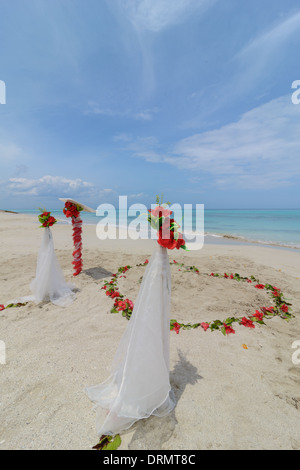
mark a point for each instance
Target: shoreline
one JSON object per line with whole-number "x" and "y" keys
{"x": 210, "y": 238}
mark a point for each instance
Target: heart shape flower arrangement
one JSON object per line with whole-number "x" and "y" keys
{"x": 281, "y": 307}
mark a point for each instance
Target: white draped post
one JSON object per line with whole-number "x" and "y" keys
{"x": 139, "y": 384}
{"x": 49, "y": 282}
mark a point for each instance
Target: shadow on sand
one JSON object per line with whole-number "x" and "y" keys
{"x": 161, "y": 429}
{"x": 97, "y": 273}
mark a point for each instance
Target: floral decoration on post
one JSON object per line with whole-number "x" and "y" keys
{"x": 167, "y": 228}
{"x": 46, "y": 219}
{"x": 73, "y": 210}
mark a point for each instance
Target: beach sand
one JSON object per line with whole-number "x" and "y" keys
{"x": 227, "y": 397}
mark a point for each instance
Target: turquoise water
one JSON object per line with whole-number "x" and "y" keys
{"x": 281, "y": 227}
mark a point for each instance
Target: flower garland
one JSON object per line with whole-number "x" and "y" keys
{"x": 167, "y": 229}
{"x": 73, "y": 211}
{"x": 19, "y": 304}
{"x": 281, "y": 308}
{"x": 46, "y": 219}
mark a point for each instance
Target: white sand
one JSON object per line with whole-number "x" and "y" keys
{"x": 227, "y": 397}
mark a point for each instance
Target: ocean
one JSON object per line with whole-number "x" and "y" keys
{"x": 268, "y": 227}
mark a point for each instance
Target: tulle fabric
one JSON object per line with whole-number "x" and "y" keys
{"x": 49, "y": 282}
{"x": 139, "y": 384}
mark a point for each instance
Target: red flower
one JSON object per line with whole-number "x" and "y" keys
{"x": 249, "y": 280}
{"x": 269, "y": 309}
{"x": 129, "y": 303}
{"x": 147, "y": 261}
{"x": 115, "y": 294}
{"x": 205, "y": 326}
{"x": 258, "y": 315}
{"x": 228, "y": 329}
{"x": 226, "y": 275}
{"x": 122, "y": 305}
{"x": 231, "y": 276}
{"x": 168, "y": 242}
{"x": 248, "y": 323}
{"x": 2, "y": 307}
{"x": 259, "y": 286}
{"x": 212, "y": 274}
{"x": 284, "y": 308}
{"x": 176, "y": 327}
{"x": 180, "y": 241}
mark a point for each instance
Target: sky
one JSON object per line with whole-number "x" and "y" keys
{"x": 189, "y": 98}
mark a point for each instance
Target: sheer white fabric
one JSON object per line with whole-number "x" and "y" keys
{"x": 49, "y": 283}
{"x": 139, "y": 384}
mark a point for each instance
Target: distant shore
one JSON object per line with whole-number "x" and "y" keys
{"x": 10, "y": 212}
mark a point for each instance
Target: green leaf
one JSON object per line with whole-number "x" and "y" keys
{"x": 108, "y": 443}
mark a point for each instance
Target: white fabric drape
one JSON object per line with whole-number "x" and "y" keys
{"x": 49, "y": 283}
{"x": 139, "y": 384}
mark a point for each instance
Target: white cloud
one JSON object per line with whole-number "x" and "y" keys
{"x": 49, "y": 185}
{"x": 156, "y": 15}
{"x": 267, "y": 41}
{"x": 93, "y": 108}
{"x": 263, "y": 55}
{"x": 261, "y": 149}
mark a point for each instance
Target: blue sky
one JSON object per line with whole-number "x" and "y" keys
{"x": 191, "y": 98}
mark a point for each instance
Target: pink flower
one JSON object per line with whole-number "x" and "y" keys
{"x": 205, "y": 326}
{"x": 160, "y": 212}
